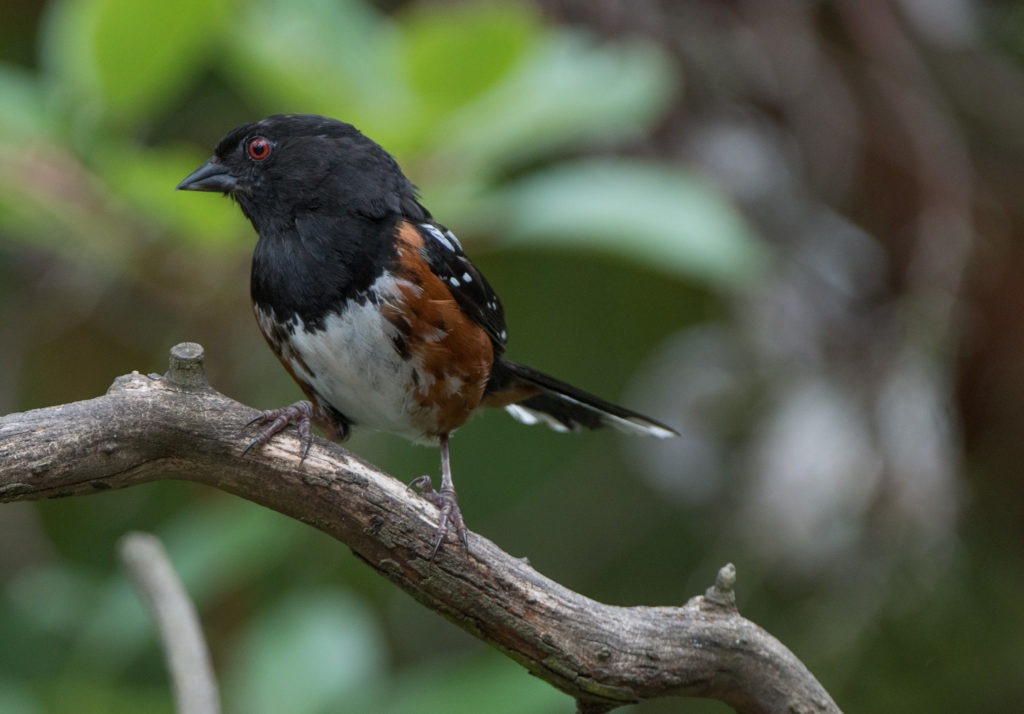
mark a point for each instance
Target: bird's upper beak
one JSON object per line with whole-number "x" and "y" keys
{"x": 211, "y": 176}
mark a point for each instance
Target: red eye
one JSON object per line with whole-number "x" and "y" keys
{"x": 259, "y": 148}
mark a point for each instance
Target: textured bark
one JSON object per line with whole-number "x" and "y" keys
{"x": 175, "y": 426}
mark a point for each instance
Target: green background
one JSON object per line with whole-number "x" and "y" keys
{"x": 791, "y": 230}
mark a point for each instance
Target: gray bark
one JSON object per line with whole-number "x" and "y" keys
{"x": 188, "y": 660}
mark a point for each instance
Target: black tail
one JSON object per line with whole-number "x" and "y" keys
{"x": 562, "y": 406}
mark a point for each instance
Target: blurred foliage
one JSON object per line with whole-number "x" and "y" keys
{"x": 808, "y": 261}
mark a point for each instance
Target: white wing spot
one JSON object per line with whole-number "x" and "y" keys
{"x": 467, "y": 278}
{"x": 454, "y": 281}
{"x": 440, "y": 237}
{"x": 451, "y": 236}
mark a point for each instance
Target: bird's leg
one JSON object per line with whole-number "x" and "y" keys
{"x": 446, "y": 499}
{"x": 300, "y": 412}
{"x": 332, "y": 422}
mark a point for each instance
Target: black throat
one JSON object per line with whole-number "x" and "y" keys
{"x": 312, "y": 265}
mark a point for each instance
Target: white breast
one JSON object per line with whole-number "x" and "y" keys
{"x": 352, "y": 363}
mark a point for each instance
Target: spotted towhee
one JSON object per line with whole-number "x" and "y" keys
{"x": 371, "y": 305}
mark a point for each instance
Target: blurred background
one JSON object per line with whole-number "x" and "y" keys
{"x": 792, "y": 230}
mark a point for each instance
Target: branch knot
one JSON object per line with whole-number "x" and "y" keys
{"x": 186, "y": 370}
{"x": 722, "y": 593}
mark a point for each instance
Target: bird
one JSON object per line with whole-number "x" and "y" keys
{"x": 372, "y": 306}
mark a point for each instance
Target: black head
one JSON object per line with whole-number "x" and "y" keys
{"x": 290, "y": 164}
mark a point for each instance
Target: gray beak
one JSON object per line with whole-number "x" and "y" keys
{"x": 211, "y": 176}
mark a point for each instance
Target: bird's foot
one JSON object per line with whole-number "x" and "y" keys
{"x": 448, "y": 502}
{"x": 277, "y": 419}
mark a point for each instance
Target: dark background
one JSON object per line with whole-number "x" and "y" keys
{"x": 792, "y": 230}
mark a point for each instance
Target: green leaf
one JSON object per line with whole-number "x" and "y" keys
{"x": 248, "y": 541}
{"x": 312, "y": 652}
{"x": 569, "y": 92}
{"x": 144, "y": 52}
{"x": 338, "y": 58}
{"x": 453, "y": 54}
{"x": 52, "y": 598}
{"x": 657, "y": 215}
{"x": 89, "y": 695}
{"x": 22, "y": 111}
{"x": 16, "y": 696}
{"x": 66, "y": 41}
{"x": 146, "y": 179}
{"x": 487, "y": 682}
{"x": 125, "y": 58}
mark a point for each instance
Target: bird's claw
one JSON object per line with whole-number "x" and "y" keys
{"x": 300, "y": 412}
{"x": 448, "y": 502}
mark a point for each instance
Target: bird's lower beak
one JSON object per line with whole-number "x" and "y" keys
{"x": 211, "y": 176}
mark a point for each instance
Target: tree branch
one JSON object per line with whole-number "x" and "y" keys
{"x": 188, "y": 661}
{"x": 151, "y": 427}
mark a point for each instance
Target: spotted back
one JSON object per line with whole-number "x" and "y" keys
{"x": 443, "y": 253}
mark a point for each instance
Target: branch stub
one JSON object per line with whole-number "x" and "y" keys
{"x": 186, "y": 367}
{"x": 722, "y": 592}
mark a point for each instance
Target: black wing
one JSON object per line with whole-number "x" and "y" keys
{"x": 476, "y": 297}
